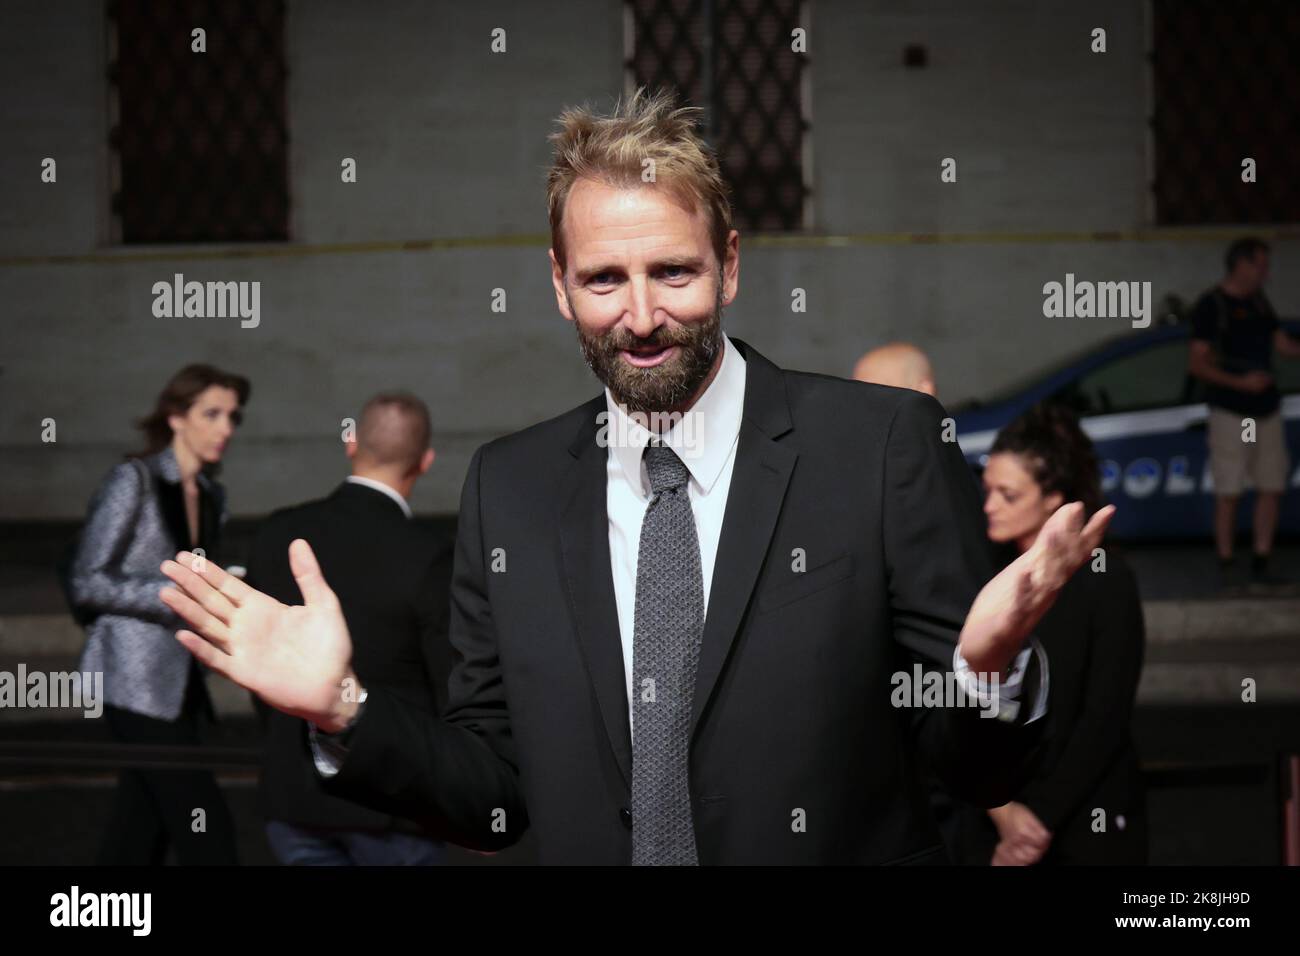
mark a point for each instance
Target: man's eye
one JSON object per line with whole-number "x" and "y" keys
{"x": 602, "y": 278}
{"x": 674, "y": 272}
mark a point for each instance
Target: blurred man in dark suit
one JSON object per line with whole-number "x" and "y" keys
{"x": 392, "y": 581}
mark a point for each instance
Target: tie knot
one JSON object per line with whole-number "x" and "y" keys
{"x": 666, "y": 470}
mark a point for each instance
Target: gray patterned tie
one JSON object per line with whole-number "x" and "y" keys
{"x": 669, "y": 622}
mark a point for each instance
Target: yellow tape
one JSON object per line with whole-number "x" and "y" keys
{"x": 1170, "y": 234}
{"x": 764, "y": 240}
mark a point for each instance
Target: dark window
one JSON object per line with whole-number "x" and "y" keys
{"x": 198, "y": 141}
{"x": 735, "y": 59}
{"x": 1155, "y": 377}
{"x": 1287, "y": 370}
{"x": 1226, "y": 82}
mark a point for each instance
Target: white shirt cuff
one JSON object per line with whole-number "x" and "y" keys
{"x": 326, "y": 753}
{"x": 328, "y": 750}
{"x": 1005, "y": 694}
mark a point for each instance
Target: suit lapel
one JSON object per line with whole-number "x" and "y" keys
{"x": 759, "y": 480}
{"x": 209, "y": 516}
{"x": 172, "y": 505}
{"x": 589, "y": 583}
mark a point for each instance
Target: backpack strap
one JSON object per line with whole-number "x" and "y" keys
{"x": 1220, "y": 322}
{"x": 1265, "y": 307}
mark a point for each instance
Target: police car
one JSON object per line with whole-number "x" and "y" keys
{"x": 1147, "y": 419}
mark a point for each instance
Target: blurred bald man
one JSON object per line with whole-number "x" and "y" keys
{"x": 899, "y": 364}
{"x": 392, "y": 578}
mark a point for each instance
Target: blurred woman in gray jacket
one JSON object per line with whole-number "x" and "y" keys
{"x": 161, "y": 500}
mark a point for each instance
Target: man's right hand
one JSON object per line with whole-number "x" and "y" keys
{"x": 1256, "y": 382}
{"x": 297, "y": 659}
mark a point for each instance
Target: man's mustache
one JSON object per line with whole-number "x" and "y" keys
{"x": 662, "y": 337}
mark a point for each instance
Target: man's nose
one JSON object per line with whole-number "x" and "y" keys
{"x": 641, "y": 309}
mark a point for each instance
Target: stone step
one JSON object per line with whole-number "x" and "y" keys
{"x": 1222, "y": 619}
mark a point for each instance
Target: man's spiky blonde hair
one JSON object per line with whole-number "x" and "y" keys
{"x": 613, "y": 149}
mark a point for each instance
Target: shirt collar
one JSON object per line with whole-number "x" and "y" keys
{"x": 383, "y": 489}
{"x": 702, "y": 438}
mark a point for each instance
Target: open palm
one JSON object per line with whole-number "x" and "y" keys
{"x": 296, "y": 658}
{"x": 1015, "y": 600}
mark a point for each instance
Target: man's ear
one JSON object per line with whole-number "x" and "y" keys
{"x": 350, "y": 449}
{"x": 426, "y": 460}
{"x": 731, "y": 269}
{"x": 557, "y": 280}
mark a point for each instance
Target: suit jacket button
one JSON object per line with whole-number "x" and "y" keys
{"x": 625, "y": 815}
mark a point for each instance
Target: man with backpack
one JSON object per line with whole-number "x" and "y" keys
{"x": 1234, "y": 335}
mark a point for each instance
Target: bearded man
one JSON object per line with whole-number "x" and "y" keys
{"x": 677, "y": 646}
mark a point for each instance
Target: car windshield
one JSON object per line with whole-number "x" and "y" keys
{"x": 1036, "y": 378}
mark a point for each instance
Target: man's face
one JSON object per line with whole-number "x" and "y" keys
{"x": 644, "y": 289}
{"x": 1256, "y": 270}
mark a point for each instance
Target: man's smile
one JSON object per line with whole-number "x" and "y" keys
{"x": 648, "y": 357}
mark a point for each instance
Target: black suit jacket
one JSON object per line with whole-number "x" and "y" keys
{"x": 391, "y": 577}
{"x": 797, "y": 755}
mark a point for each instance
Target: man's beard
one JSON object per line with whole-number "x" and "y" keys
{"x": 663, "y": 387}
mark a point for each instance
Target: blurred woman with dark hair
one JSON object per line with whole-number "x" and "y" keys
{"x": 161, "y": 500}
{"x": 1086, "y": 803}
